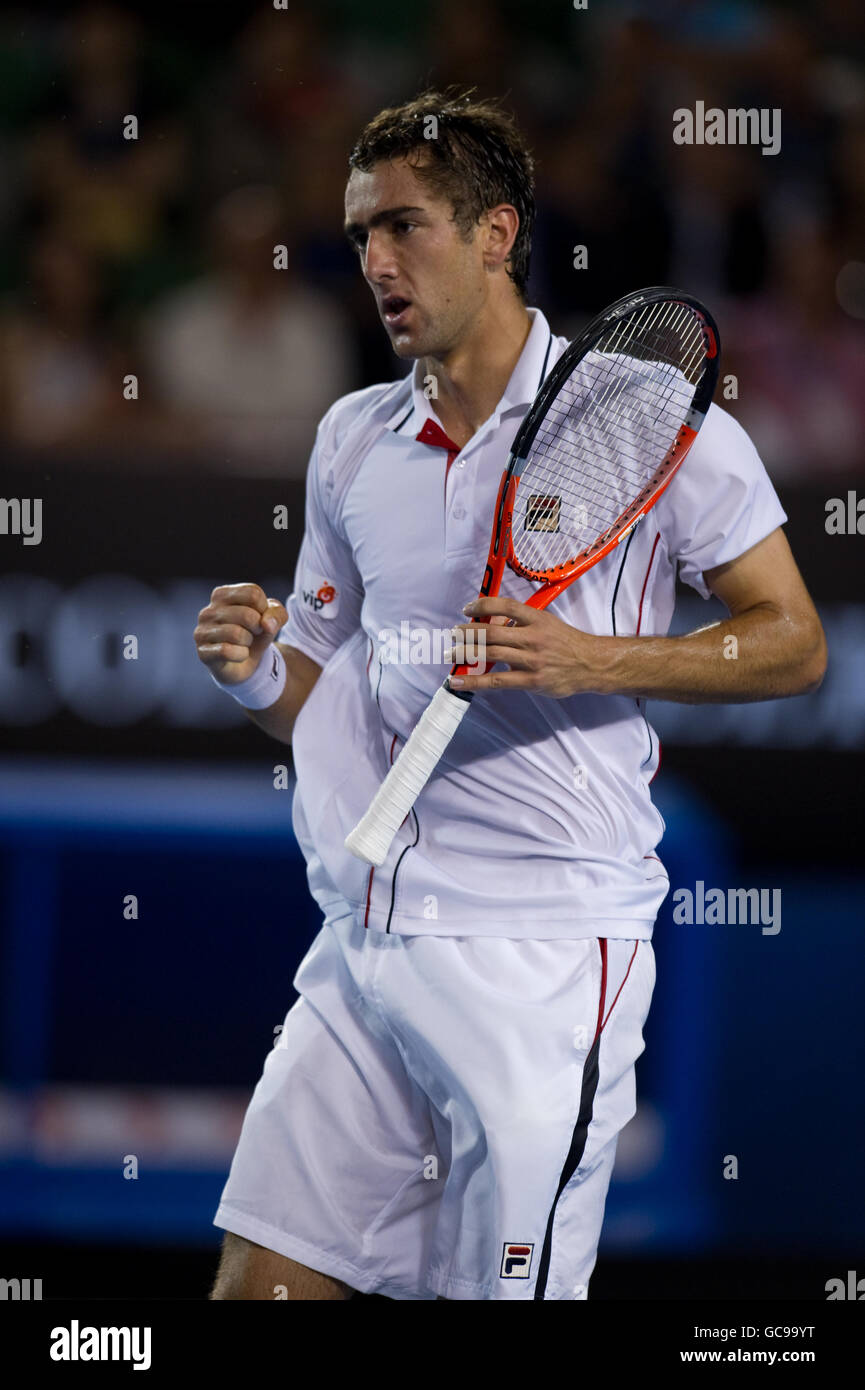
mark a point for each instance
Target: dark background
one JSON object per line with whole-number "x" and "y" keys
{"x": 154, "y": 258}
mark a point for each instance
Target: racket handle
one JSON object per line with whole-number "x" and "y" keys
{"x": 373, "y": 835}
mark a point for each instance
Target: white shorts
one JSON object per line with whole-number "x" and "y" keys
{"x": 439, "y": 1115}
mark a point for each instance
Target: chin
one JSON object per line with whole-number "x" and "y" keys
{"x": 404, "y": 348}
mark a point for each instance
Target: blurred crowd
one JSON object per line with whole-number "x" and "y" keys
{"x": 142, "y": 318}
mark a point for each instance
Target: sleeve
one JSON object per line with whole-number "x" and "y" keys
{"x": 324, "y": 608}
{"x": 720, "y": 503}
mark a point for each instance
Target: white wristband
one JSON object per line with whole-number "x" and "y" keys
{"x": 264, "y": 687}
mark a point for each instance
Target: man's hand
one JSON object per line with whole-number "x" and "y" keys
{"x": 543, "y": 652}
{"x": 236, "y": 629}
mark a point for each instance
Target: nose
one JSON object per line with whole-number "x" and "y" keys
{"x": 378, "y": 263}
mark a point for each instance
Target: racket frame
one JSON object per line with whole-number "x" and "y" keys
{"x": 555, "y": 581}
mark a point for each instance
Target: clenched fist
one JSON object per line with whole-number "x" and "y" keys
{"x": 236, "y": 629}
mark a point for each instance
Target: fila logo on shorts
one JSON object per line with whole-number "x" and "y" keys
{"x": 516, "y": 1261}
{"x": 321, "y": 596}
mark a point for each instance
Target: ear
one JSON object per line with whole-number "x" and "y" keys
{"x": 499, "y": 227}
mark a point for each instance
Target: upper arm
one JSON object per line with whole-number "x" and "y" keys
{"x": 324, "y": 608}
{"x": 765, "y": 574}
{"x": 721, "y": 504}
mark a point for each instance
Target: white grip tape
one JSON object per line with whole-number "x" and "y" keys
{"x": 373, "y": 835}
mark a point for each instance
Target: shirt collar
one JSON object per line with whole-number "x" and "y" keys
{"x": 532, "y": 366}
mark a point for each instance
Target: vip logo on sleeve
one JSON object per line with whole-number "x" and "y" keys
{"x": 516, "y": 1261}
{"x": 320, "y": 595}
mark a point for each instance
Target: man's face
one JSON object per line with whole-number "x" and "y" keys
{"x": 428, "y": 282}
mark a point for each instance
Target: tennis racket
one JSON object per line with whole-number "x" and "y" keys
{"x": 610, "y": 426}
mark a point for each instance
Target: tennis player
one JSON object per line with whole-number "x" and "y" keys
{"x": 440, "y": 1114}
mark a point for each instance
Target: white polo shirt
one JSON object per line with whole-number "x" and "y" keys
{"x": 538, "y": 822}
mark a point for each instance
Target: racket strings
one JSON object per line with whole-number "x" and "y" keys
{"x": 649, "y": 405}
{"x": 612, "y": 346}
{"x": 606, "y": 434}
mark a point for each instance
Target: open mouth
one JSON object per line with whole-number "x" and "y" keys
{"x": 394, "y": 308}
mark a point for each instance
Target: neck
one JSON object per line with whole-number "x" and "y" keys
{"x": 472, "y": 377}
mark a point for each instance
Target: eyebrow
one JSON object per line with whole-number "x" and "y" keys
{"x": 386, "y": 215}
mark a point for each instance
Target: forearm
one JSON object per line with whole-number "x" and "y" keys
{"x": 771, "y": 645}
{"x": 759, "y": 654}
{"x": 278, "y": 719}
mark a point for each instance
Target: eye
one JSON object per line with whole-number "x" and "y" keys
{"x": 403, "y": 227}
